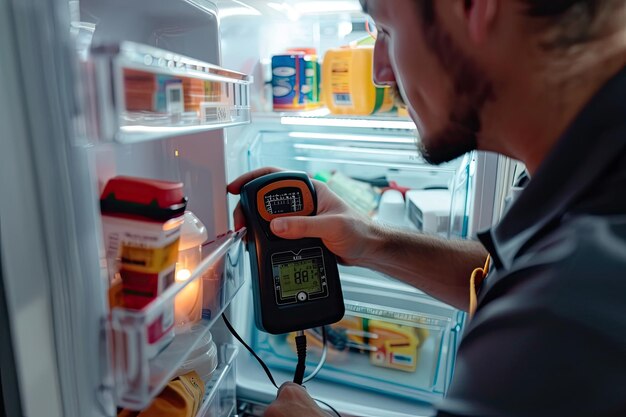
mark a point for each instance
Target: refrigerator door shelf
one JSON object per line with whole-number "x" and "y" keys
{"x": 394, "y": 342}
{"x": 142, "y": 366}
{"x": 141, "y": 93}
{"x": 220, "y": 398}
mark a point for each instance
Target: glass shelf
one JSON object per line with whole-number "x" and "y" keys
{"x": 143, "y": 93}
{"x": 140, "y": 374}
{"x": 220, "y": 399}
{"x": 392, "y": 340}
{"x": 322, "y": 118}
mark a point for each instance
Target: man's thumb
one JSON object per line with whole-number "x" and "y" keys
{"x": 296, "y": 227}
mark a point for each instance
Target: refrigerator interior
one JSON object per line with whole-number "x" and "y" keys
{"x": 375, "y": 150}
{"x": 364, "y": 373}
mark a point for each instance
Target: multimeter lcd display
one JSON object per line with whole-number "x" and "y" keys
{"x": 301, "y": 276}
{"x": 284, "y": 200}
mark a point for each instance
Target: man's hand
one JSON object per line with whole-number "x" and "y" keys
{"x": 342, "y": 229}
{"x": 294, "y": 401}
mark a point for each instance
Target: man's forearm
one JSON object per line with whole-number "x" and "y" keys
{"x": 436, "y": 266}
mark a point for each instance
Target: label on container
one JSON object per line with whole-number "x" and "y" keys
{"x": 140, "y": 288}
{"x": 402, "y": 360}
{"x": 288, "y": 76}
{"x": 340, "y": 84}
{"x": 343, "y": 99}
{"x": 139, "y": 90}
{"x": 213, "y": 91}
{"x": 311, "y": 87}
{"x": 174, "y": 98}
{"x": 214, "y": 112}
{"x": 149, "y": 260}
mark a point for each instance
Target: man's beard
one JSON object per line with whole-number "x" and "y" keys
{"x": 471, "y": 90}
{"x": 458, "y": 137}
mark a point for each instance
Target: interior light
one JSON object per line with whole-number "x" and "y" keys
{"x": 286, "y": 9}
{"x": 317, "y": 7}
{"x": 183, "y": 275}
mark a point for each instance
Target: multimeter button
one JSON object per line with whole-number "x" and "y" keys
{"x": 302, "y": 296}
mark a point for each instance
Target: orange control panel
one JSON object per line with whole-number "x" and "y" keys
{"x": 285, "y": 198}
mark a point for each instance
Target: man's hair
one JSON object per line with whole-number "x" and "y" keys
{"x": 569, "y": 22}
{"x": 556, "y": 8}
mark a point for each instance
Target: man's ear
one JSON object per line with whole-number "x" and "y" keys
{"x": 480, "y": 15}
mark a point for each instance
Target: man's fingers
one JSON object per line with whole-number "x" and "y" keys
{"x": 235, "y": 186}
{"x": 290, "y": 390}
{"x": 238, "y": 217}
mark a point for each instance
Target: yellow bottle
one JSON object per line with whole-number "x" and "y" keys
{"x": 347, "y": 82}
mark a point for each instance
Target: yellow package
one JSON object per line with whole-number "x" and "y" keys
{"x": 182, "y": 397}
{"x": 347, "y": 82}
{"x": 395, "y": 346}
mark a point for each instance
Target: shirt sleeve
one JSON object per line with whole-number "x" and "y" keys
{"x": 550, "y": 341}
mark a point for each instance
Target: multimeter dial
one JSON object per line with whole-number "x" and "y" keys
{"x": 295, "y": 282}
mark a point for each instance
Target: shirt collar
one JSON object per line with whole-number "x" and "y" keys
{"x": 591, "y": 143}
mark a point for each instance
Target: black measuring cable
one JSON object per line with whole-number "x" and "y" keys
{"x": 301, "y": 351}
{"x": 267, "y": 369}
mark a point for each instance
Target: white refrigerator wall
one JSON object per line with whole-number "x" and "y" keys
{"x": 53, "y": 173}
{"x": 191, "y": 29}
{"x": 49, "y": 237}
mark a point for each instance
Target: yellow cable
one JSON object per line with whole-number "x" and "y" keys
{"x": 477, "y": 277}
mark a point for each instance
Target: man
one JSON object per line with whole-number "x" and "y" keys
{"x": 544, "y": 82}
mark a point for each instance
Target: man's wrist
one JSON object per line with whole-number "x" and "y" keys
{"x": 376, "y": 240}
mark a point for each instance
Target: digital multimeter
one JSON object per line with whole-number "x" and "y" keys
{"x": 295, "y": 282}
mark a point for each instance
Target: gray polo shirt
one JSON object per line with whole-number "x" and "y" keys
{"x": 549, "y": 335}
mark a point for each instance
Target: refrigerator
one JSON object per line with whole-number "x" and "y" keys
{"x": 180, "y": 90}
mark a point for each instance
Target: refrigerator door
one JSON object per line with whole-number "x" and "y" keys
{"x": 159, "y": 102}
{"x": 50, "y": 264}
{"x": 61, "y": 145}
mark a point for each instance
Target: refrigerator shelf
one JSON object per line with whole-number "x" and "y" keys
{"x": 144, "y": 93}
{"x": 220, "y": 398}
{"x": 140, "y": 372}
{"x": 322, "y": 118}
{"x": 393, "y": 341}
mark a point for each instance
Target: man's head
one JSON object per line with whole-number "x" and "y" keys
{"x": 471, "y": 71}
